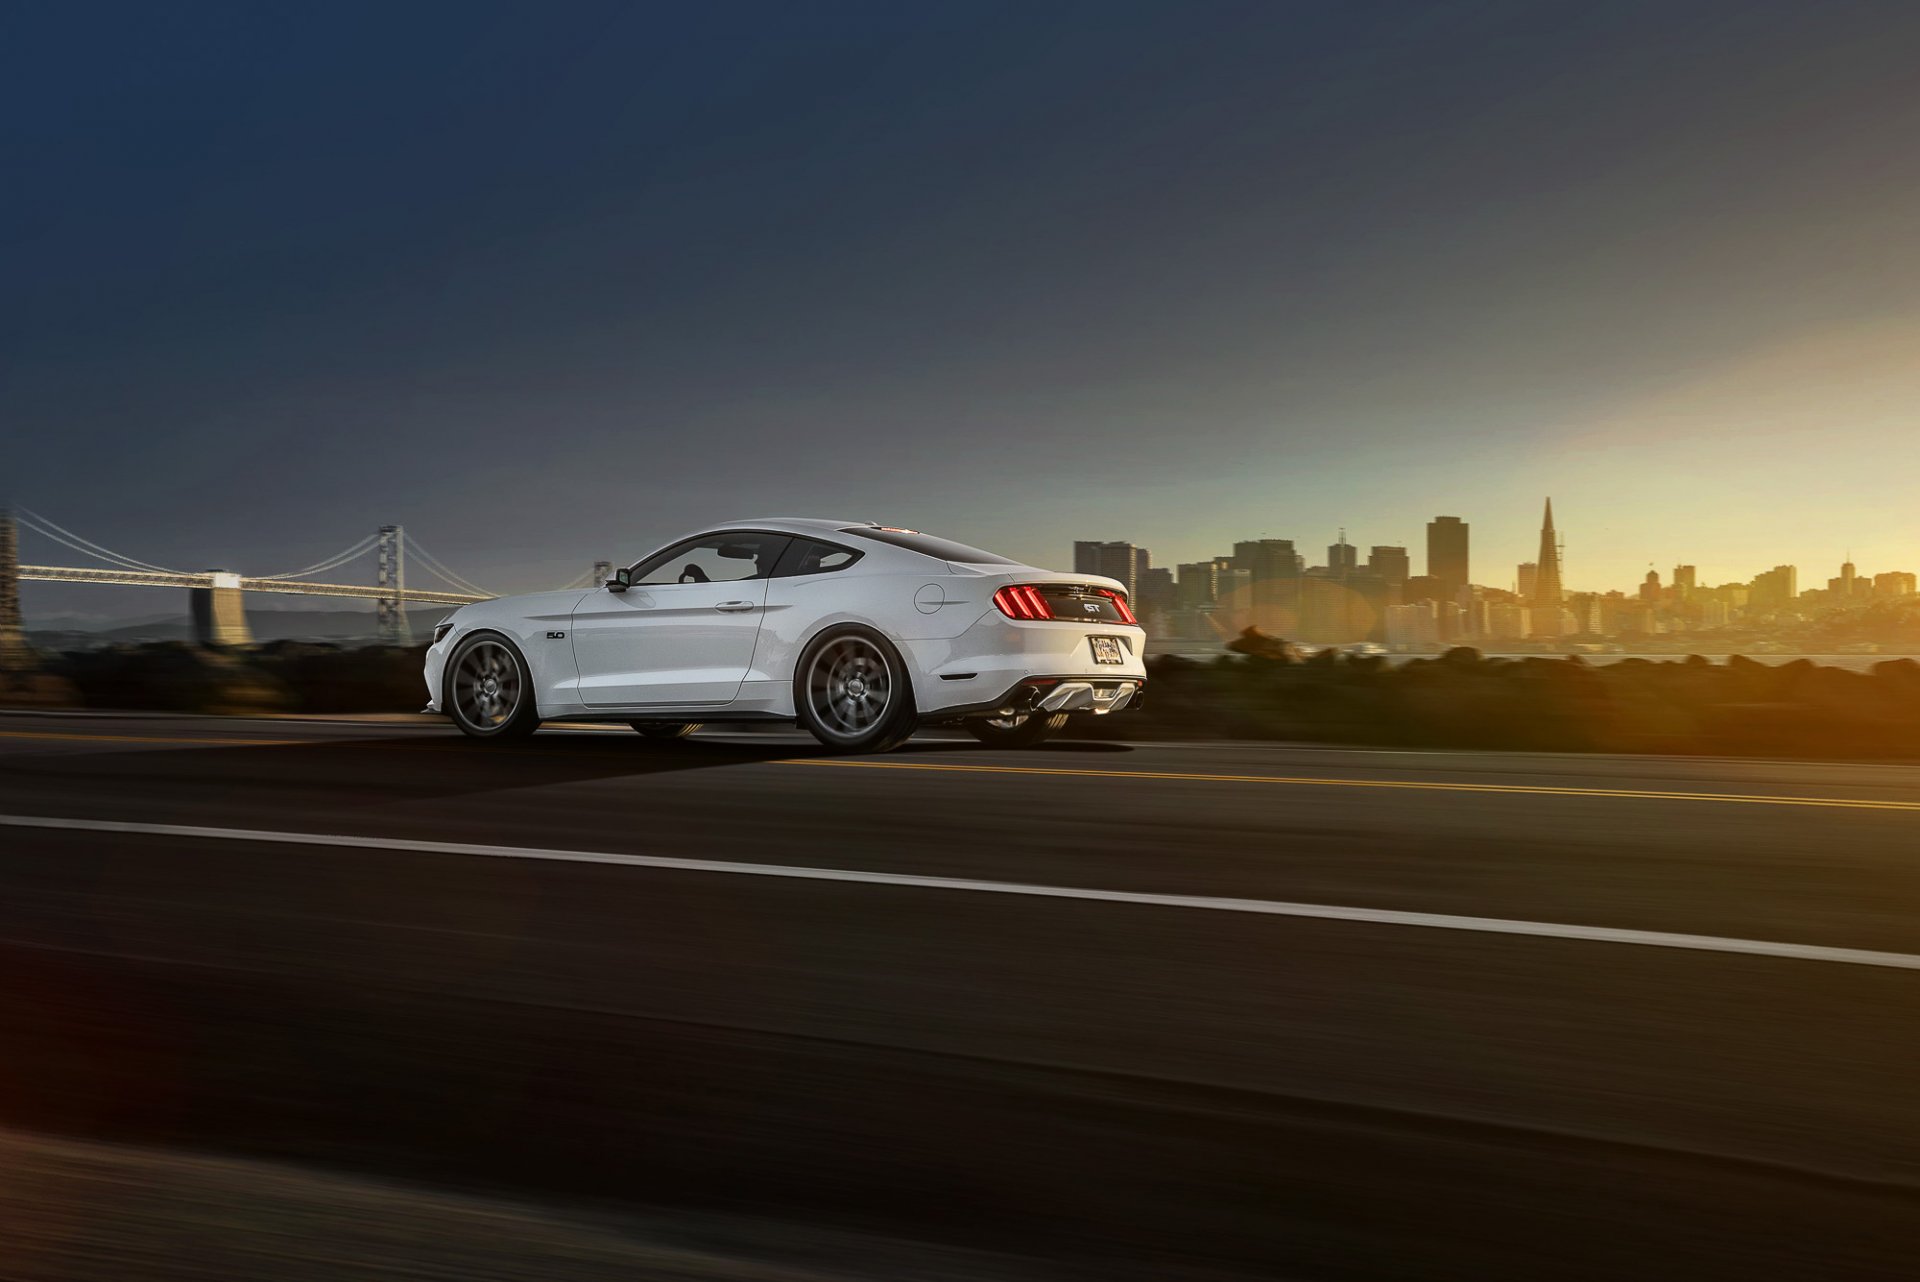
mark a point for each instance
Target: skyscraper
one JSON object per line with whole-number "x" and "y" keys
{"x": 1154, "y": 597}
{"x": 1775, "y": 588}
{"x": 1508, "y": 621}
{"x": 1547, "y": 594}
{"x": 1342, "y": 558}
{"x": 1267, "y": 559}
{"x": 1117, "y": 560}
{"x": 1390, "y": 563}
{"x": 1447, "y": 554}
{"x": 1198, "y": 585}
{"x": 1273, "y": 572}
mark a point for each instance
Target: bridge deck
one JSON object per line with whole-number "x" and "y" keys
{"x": 291, "y": 587}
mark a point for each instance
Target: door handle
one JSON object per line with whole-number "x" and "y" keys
{"x": 734, "y": 605}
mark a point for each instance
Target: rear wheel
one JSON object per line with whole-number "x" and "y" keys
{"x": 1023, "y": 730}
{"x": 665, "y": 729}
{"x": 852, "y": 692}
{"x": 490, "y": 691}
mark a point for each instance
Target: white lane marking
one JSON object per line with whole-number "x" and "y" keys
{"x": 1212, "y": 903}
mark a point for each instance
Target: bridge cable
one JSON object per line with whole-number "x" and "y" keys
{"x": 436, "y": 567}
{"x": 451, "y": 579}
{"x": 458, "y": 584}
{"x": 338, "y": 558}
{"x": 318, "y": 567}
{"x": 86, "y": 547}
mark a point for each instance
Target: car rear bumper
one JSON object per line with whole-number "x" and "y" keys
{"x": 989, "y": 664}
{"x": 1054, "y": 694}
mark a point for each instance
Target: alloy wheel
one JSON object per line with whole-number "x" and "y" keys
{"x": 486, "y": 685}
{"x": 850, "y": 687}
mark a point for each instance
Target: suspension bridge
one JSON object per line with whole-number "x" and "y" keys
{"x": 216, "y": 597}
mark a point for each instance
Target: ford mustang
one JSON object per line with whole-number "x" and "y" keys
{"x": 859, "y": 632}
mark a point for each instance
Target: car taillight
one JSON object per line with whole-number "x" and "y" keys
{"x": 1119, "y": 603}
{"x": 1022, "y": 601}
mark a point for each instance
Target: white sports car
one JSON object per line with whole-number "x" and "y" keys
{"x": 859, "y": 632}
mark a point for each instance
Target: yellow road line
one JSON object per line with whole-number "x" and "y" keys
{"x": 1302, "y": 781}
{"x": 1309, "y": 781}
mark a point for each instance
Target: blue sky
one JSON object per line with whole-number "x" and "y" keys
{"x": 553, "y": 282}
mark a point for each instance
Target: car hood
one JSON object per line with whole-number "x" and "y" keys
{"x": 529, "y": 605}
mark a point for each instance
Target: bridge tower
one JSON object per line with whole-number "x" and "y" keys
{"x": 390, "y": 612}
{"x": 219, "y": 611}
{"x": 13, "y": 638}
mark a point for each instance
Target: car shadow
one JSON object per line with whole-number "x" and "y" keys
{"x": 395, "y": 769}
{"x": 453, "y": 765}
{"x": 379, "y": 769}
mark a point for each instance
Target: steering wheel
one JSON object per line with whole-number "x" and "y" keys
{"x": 693, "y": 574}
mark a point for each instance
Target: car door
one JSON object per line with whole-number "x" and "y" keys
{"x": 684, "y": 632}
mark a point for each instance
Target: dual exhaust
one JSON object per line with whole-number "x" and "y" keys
{"x": 1084, "y": 696}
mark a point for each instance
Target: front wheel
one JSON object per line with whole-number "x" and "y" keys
{"x": 665, "y": 729}
{"x": 1022, "y": 731}
{"x": 852, "y": 692}
{"x": 490, "y": 691}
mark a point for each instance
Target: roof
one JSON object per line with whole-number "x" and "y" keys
{"x": 789, "y": 524}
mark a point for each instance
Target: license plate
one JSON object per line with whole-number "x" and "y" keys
{"x": 1107, "y": 650}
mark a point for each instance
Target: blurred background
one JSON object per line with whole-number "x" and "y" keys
{"x": 1501, "y": 415}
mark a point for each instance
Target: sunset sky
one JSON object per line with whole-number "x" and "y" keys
{"x": 546, "y": 283}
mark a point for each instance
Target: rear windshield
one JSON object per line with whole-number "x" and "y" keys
{"x": 927, "y": 545}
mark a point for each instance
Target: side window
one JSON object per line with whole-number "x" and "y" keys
{"x": 809, "y": 556}
{"x": 712, "y": 558}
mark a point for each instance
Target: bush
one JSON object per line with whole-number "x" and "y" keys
{"x": 281, "y": 677}
{"x": 1265, "y": 691}
{"x": 1464, "y": 700}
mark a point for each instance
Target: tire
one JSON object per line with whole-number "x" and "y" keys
{"x": 488, "y": 689}
{"x": 852, "y": 693}
{"x": 665, "y": 729}
{"x": 1022, "y": 731}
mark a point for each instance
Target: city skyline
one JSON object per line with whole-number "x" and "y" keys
{"x": 1269, "y": 585}
{"x": 1495, "y": 570}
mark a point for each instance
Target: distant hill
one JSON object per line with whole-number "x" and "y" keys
{"x": 340, "y": 626}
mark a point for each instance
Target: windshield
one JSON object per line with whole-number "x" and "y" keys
{"x": 927, "y": 545}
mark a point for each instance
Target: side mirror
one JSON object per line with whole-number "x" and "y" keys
{"x": 621, "y": 581}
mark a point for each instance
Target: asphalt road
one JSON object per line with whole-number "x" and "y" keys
{"x": 1071, "y": 1013}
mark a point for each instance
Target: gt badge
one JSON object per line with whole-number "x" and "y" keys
{"x": 556, "y": 636}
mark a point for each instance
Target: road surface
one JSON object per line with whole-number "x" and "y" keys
{"x": 1100, "y": 1010}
